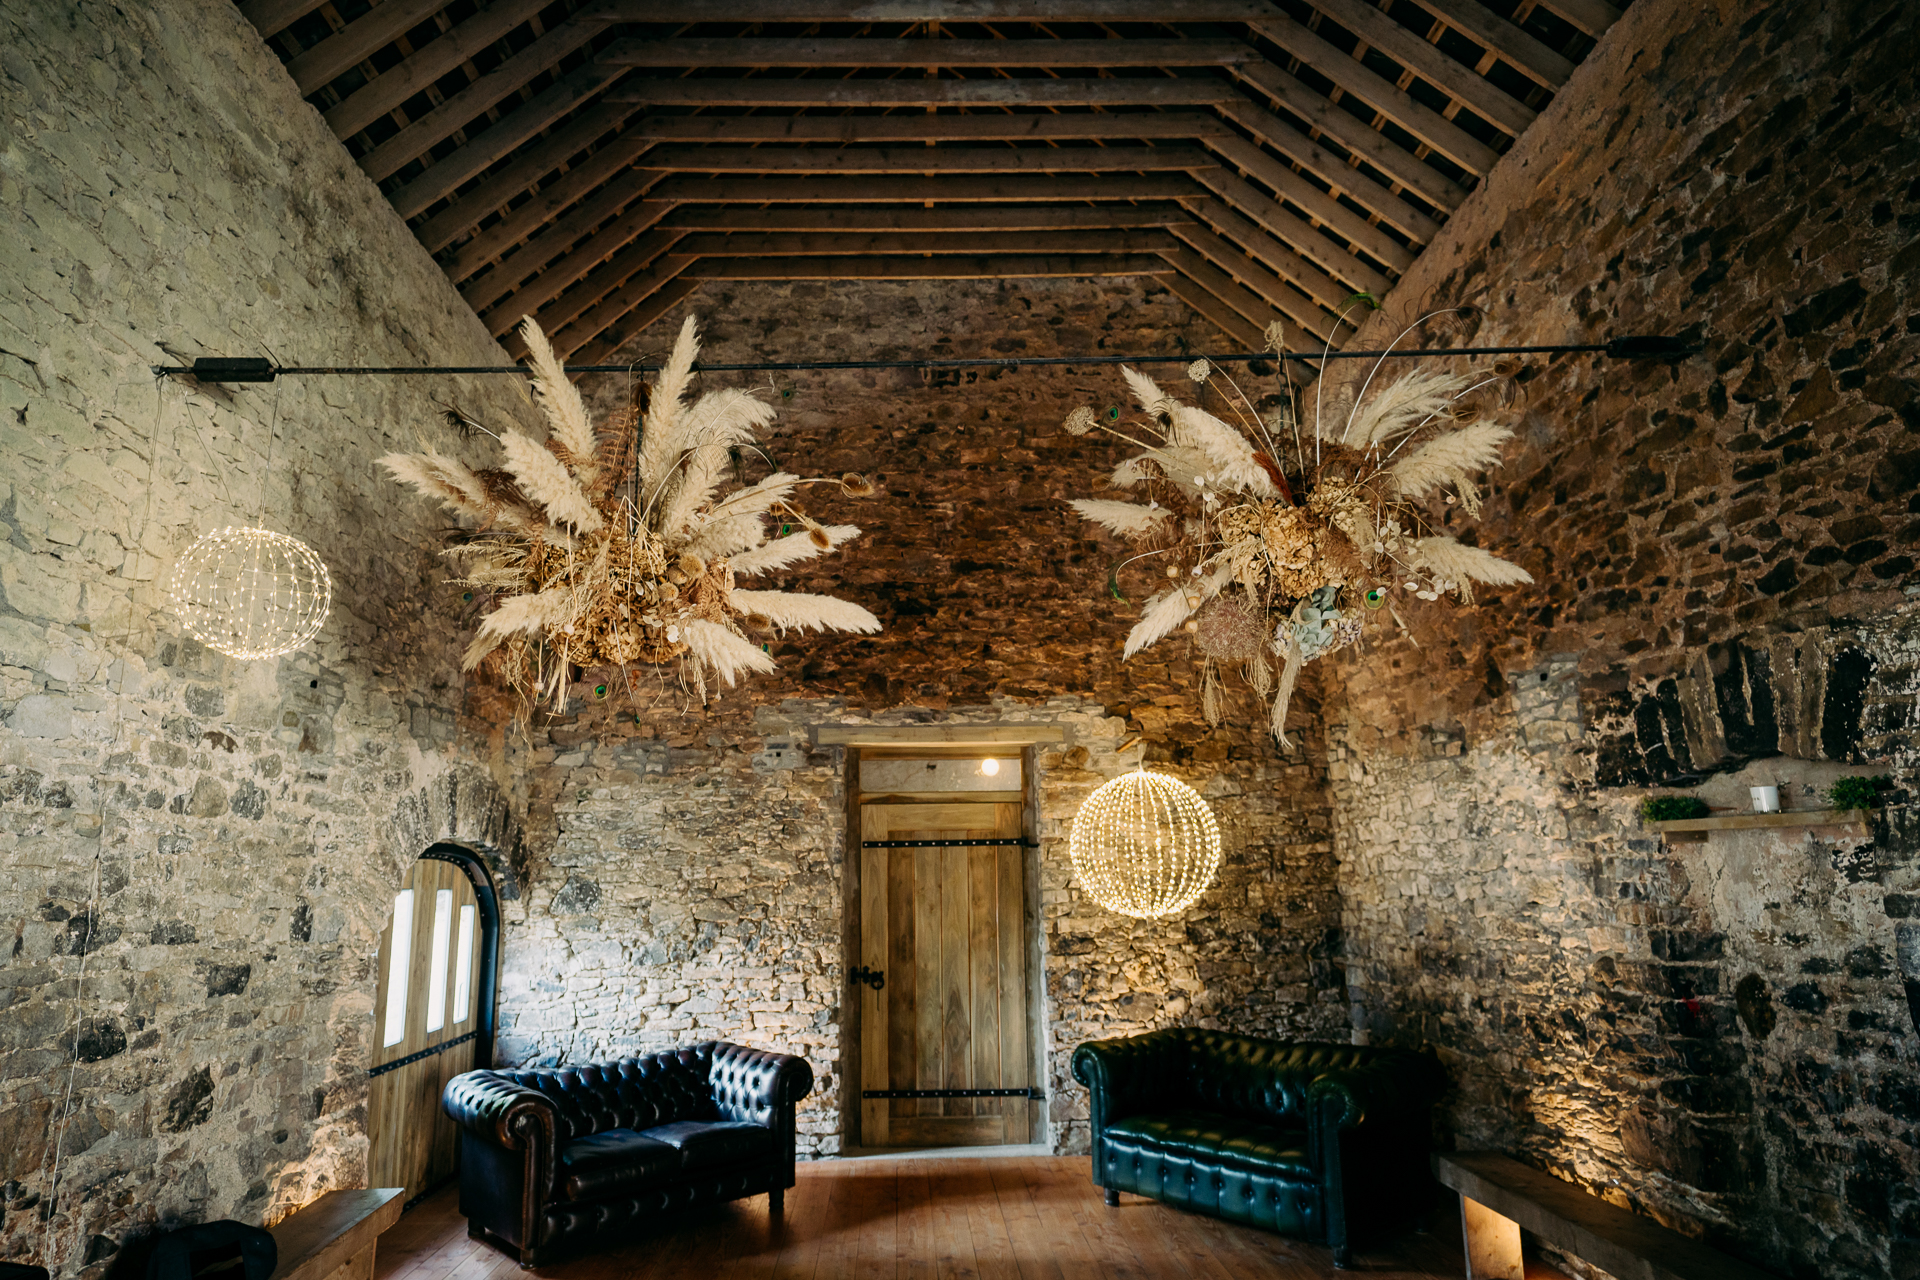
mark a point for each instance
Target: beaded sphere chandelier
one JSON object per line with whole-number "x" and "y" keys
{"x": 1145, "y": 845}
{"x": 250, "y": 592}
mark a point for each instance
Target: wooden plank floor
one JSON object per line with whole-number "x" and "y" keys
{"x": 984, "y": 1218}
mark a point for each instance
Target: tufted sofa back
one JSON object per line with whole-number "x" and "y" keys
{"x": 1192, "y": 1068}
{"x": 1260, "y": 1079}
{"x": 633, "y": 1093}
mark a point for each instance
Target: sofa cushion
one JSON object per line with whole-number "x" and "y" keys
{"x": 705, "y": 1143}
{"x": 1213, "y": 1139}
{"x": 614, "y": 1160}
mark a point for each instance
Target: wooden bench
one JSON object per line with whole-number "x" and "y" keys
{"x": 1499, "y": 1196}
{"x": 333, "y": 1238}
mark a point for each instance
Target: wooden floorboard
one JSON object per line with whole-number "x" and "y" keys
{"x": 1010, "y": 1217}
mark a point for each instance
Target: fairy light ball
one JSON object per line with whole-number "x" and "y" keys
{"x": 1145, "y": 845}
{"x": 250, "y": 592}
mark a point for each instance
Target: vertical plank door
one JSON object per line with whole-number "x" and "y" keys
{"x": 946, "y": 923}
{"x": 412, "y": 1142}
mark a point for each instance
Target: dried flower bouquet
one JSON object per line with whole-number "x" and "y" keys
{"x": 609, "y": 545}
{"x": 1275, "y": 543}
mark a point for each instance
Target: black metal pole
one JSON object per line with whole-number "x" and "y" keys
{"x": 249, "y": 369}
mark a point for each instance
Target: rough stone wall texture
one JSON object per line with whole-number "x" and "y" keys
{"x": 1718, "y": 1034}
{"x": 198, "y": 853}
{"x": 691, "y": 873}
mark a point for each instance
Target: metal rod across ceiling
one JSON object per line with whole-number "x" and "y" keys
{"x": 250, "y": 369}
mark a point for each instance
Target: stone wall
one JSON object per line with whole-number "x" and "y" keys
{"x": 198, "y": 853}
{"x": 690, "y": 880}
{"x": 1718, "y": 1034}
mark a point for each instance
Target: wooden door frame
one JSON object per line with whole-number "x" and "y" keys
{"x": 934, "y": 742}
{"x": 486, "y": 994}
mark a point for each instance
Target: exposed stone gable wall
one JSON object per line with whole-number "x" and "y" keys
{"x": 1717, "y": 1034}
{"x": 692, "y": 879}
{"x": 197, "y": 854}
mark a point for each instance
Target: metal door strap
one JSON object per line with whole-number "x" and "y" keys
{"x": 1035, "y": 1094}
{"x": 941, "y": 844}
{"x": 397, "y": 1063}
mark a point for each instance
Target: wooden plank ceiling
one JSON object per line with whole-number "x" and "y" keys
{"x": 591, "y": 162}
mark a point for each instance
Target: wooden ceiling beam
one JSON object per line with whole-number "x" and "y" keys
{"x": 1365, "y": 143}
{"x": 439, "y": 57}
{"x": 1257, "y": 243}
{"x": 1082, "y": 91}
{"x": 1237, "y": 328}
{"x": 680, "y": 11}
{"x": 915, "y": 127}
{"x": 1317, "y": 204}
{"x": 1331, "y": 168}
{"x": 872, "y": 218}
{"x": 617, "y": 302}
{"x": 345, "y": 49}
{"x": 507, "y": 135}
{"x": 1591, "y": 16}
{"x": 1256, "y": 310}
{"x": 632, "y": 322}
{"x": 420, "y": 136}
{"x": 569, "y": 260}
{"x": 936, "y": 267}
{"x": 746, "y": 51}
{"x": 851, "y": 160}
{"x": 1494, "y": 33}
{"x": 611, "y": 163}
{"x": 271, "y": 17}
{"x": 972, "y": 243}
{"x": 539, "y": 297}
{"x": 1411, "y": 50}
{"x": 1007, "y": 188}
{"x": 1424, "y": 123}
{"x": 1270, "y": 288}
{"x": 1276, "y": 220}
{"x": 640, "y": 260}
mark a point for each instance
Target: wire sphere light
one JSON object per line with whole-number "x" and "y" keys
{"x": 1145, "y": 845}
{"x": 251, "y": 593}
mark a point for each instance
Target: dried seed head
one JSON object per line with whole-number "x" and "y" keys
{"x": 818, "y": 537}
{"x": 758, "y": 622}
{"x": 692, "y": 566}
{"x": 674, "y": 577}
{"x": 1199, "y": 371}
{"x": 1276, "y": 337}
{"x": 1080, "y": 421}
{"x": 1228, "y": 630}
{"x": 857, "y": 485}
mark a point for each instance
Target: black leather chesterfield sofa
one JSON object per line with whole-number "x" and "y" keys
{"x": 1327, "y": 1142}
{"x": 552, "y": 1158}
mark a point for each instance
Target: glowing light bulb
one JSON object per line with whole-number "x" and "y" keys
{"x": 990, "y": 767}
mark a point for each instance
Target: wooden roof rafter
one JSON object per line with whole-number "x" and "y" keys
{"x": 584, "y": 160}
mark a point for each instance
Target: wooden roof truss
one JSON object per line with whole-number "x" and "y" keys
{"x": 591, "y": 162}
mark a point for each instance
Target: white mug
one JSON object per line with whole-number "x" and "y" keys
{"x": 1765, "y": 799}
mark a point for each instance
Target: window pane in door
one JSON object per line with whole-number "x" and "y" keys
{"x": 437, "y": 962}
{"x": 399, "y": 965}
{"x": 463, "y": 967}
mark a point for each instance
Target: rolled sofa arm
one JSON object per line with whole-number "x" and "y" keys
{"x": 754, "y": 1085}
{"x": 1399, "y": 1089}
{"x": 497, "y": 1111}
{"x": 1127, "y": 1075}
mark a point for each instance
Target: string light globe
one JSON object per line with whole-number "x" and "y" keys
{"x": 1145, "y": 845}
{"x": 250, "y": 592}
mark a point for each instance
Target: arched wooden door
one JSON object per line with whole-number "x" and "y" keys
{"x": 433, "y": 1016}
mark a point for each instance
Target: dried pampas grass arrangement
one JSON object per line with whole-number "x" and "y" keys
{"x": 599, "y": 549}
{"x": 1279, "y": 540}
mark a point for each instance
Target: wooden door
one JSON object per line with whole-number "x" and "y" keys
{"x": 946, "y": 924}
{"x": 425, "y": 1028}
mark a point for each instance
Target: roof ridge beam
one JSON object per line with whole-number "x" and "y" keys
{"x": 1083, "y": 91}
{"x": 813, "y": 51}
{"x": 849, "y": 160}
{"x": 1009, "y": 266}
{"x": 998, "y": 127}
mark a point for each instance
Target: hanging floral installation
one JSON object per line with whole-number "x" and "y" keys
{"x": 1278, "y": 536}
{"x": 613, "y": 545}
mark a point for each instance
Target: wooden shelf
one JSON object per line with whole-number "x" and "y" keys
{"x": 1693, "y": 830}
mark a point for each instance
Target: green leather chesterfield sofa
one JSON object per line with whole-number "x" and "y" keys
{"x": 1327, "y": 1142}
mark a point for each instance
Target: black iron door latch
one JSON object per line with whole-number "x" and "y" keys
{"x": 875, "y": 978}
